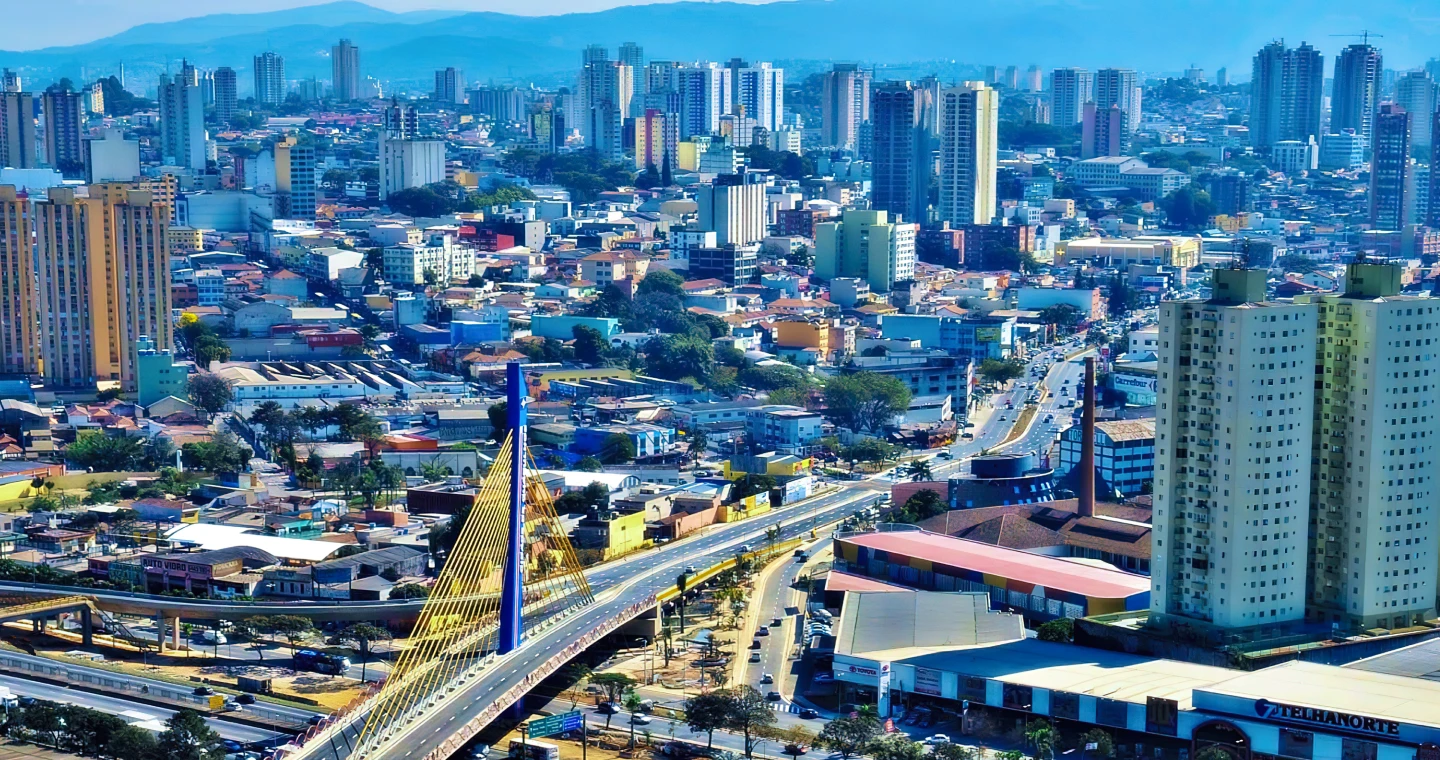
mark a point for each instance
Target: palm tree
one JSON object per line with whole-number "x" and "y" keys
{"x": 632, "y": 704}
{"x": 919, "y": 470}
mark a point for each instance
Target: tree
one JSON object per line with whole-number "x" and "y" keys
{"x": 919, "y": 470}
{"x": 949, "y": 751}
{"x": 434, "y": 472}
{"x": 849, "y": 735}
{"x": 1296, "y": 262}
{"x": 675, "y": 357}
{"x": 865, "y": 401}
{"x": 1104, "y": 744}
{"x": 614, "y": 685}
{"x": 749, "y": 714}
{"x": 1213, "y": 752}
{"x": 132, "y": 743}
{"x": 699, "y": 441}
{"x": 499, "y": 415}
{"x": 88, "y": 732}
{"x": 222, "y": 453}
{"x": 754, "y": 483}
{"x": 925, "y": 504}
{"x": 188, "y": 737}
{"x": 362, "y": 635}
{"x": 293, "y": 628}
{"x": 801, "y": 257}
{"x": 896, "y": 747}
{"x": 589, "y": 464}
{"x": 1060, "y": 315}
{"x": 99, "y": 452}
{"x": 999, "y": 371}
{"x": 617, "y": 448}
{"x": 419, "y": 202}
{"x": 707, "y": 712}
{"x": 410, "y": 591}
{"x": 1043, "y": 737}
{"x": 1188, "y": 208}
{"x": 1059, "y": 630}
{"x": 871, "y": 450}
{"x": 660, "y": 280}
{"x": 590, "y": 346}
{"x": 633, "y": 703}
{"x": 210, "y": 393}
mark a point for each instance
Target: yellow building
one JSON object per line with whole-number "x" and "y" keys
{"x": 185, "y": 239}
{"x": 803, "y": 334}
{"x": 104, "y": 273}
{"x": 540, "y": 383}
{"x": 1158, "y": 250}
{"x": 750, "y": 506}
{"x": 688, "y": 154}
{"x": 613, "y": 534}
{"x": 19, "y": 345}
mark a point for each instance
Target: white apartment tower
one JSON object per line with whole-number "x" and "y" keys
{"x": 1070, "y": 90}
{"x": 603, "y": 93}
{"x": 1119, "y": 87}
{"x": 969, "y": 134}
{"x": 182, "y": 120}
{"x": 407, "y": 160}
{"x": 704, "y": 96}
{"x": 733, "y": 207}
{"x": 844, "y": 106}
{"x": 269, "y": 79}
{"x": 1373, "y": 499}
{"x": 1233, "y": 447}
{"x": 758, "y": 92}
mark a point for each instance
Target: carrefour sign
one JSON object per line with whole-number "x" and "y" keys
{"x": 1145, "y": 383}
{"x": 1330, "y": 718}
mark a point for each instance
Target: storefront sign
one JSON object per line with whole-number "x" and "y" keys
{"x": 927, "y": 681}
{"x": 1318, "y": 717}
{"x": 861, "y": 670}
{"x": 1145, "y": 383}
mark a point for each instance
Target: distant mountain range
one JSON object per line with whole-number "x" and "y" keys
{"x": 405, "y": 48}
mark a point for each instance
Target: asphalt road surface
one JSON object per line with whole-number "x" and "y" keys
{"x": 131, "y": 711}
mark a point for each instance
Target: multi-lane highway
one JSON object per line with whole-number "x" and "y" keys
{"x": 618, "y": 586}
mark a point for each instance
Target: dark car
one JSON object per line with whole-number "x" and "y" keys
{"x": 203, "y": 691}
{"x": 776, "y": 621}
{"x": 316, "y": 720}
{"x": 773, "y": 696}
{"x": 763, "y": 631}
{"x": 231, "y": 745}
{"x": 809, "y": 714}
{"x": 755, "y": 644}
{"x": 607, "y": 708}
{"x": 245, "y": 699}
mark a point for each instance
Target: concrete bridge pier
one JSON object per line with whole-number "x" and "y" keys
{"x": 87, "y": 627}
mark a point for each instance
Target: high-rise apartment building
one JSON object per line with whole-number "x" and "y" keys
{"x": 844, "y": 106}
{"x": 501, "y": 103}
{"x": 449, "y": 86}
{"x": 902, "y": 152}
{"x": 296, "y": 178}
{"x": 632, "y": 54}
{"x": 868, "y": 245}
{"x": 1390, "y": 168}
{"x": 1373, "y": 500}
{"x": 969, "y": 136}
{"x": 345, "y": 71}
{"x": 17, "y": 130}
{"x": 1232, "y": 461}
{"x": 104, "y": 281}
{"x": 733, "y": 207}
{"x": 270, "y": 79}
{"x": 704, "y": 92}
{"x": 1433, "y": 198}
{"x": 1103, "y": 133}
{"x": 1356, "y": 90}
{"x": 757, "y": 92}
{"x": 19, "y": 343}
{"x": 64, "y": 122}
{"x": 603, "y": 93}
{"x": 1070, "y": 90}
{"x": 1033, "y": 81}
{"x": 94, "y": 98}
{"x": 10, "y": 81}
{"x": 227, "y": 94}
{"x": 182, "y": 120}
{"x": 406, "y": 159}
{"x": 1286, "y": 93}
{"x": 1119, "y": 87}
{"x": 657, "y": 141}
{"x": 1416, "y": 92}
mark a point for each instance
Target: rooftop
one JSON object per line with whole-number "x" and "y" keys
{"x": 1035, "y": 569}
{"x": 887, "y": 626}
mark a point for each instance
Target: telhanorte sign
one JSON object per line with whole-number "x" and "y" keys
{"x": 1320, "y": 717}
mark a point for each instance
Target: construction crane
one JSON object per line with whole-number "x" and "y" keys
{"x": 1364, "y": 35}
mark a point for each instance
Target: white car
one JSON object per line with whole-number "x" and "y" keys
{"x": 937, "y": 739}
{"x": 640, "y": 719}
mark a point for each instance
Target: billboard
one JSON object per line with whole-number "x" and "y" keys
{"x": 987, "y": 335}
{"x": 1134, "y": 383}
{"x": 927, "y": 681}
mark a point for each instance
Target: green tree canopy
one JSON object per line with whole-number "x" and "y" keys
{"x": 99, "y": 452}
{"x": 865, "y": 401}
{"x": 210, "y": 393}
{"x": 849, "y": 736}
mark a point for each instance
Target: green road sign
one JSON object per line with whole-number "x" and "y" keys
{"x": 555, "y": 724}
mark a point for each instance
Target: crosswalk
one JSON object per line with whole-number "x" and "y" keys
{"x": 785, "y": 707}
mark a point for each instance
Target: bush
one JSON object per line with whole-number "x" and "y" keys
{"x": 1059, "y": 630}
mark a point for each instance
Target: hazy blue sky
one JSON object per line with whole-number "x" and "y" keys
{"x": 44, "y": 23}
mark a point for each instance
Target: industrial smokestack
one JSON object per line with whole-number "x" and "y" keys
{"x": 1087, "y": 443}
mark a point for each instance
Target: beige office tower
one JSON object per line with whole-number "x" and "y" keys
{"x": 140, "y": 253}
{"x": 104, "y": 265}
{"x": 1232, "y": 456}
{"x": 19, "y": 353}
{"x": 1372, "y": 495}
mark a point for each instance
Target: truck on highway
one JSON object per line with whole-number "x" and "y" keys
{"x": 320, "y": 662}
{"x": 8, "y": 698}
